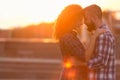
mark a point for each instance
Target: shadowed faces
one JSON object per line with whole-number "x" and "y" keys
{"x": 88, "y": 20}
{"x": 92, "y": 16}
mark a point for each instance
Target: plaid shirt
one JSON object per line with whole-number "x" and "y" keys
{"x": 104, "y": 60}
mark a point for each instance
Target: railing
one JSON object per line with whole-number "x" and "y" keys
{"x": 29, "y": 69}
{"x": 32, "y": 69}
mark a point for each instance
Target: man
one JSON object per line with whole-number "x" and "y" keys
{"x": 102, "y": 59}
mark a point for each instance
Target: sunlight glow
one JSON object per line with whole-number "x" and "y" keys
{"x": 68, "y": 64}
{"x": 15, "y": 13}
{"x": 71, "y": 74}
{"x": 117, "y": 15}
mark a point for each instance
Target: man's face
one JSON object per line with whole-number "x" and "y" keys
{"x": 89, "y": 22}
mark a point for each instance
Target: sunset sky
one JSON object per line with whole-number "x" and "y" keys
{"x": 15, "y": 13}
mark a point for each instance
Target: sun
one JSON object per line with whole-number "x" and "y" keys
{"x": 15, "y": 13}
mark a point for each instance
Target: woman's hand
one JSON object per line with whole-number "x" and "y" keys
{"x": 97, "y": 32}
{"x": 91, "y": 44}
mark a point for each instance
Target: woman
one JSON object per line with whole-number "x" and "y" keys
{"x": 68, "y": 32}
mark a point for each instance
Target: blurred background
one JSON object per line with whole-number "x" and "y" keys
{"x": 27, "y": 48}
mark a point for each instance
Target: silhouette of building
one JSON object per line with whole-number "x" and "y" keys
{"x": 43, "y": 30}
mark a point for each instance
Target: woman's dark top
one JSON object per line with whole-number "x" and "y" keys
{"x": 70, "y": 45}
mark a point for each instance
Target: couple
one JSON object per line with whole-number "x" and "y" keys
{"x": 91, "y": 60}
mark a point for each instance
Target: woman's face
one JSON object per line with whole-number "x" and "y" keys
{"x": 79, "y": 25}
{"x": 80, "y": 22}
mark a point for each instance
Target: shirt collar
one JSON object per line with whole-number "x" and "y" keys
{"x": 103, "y": 26}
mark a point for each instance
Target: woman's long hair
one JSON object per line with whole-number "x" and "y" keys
{"x": 67, "y": 20}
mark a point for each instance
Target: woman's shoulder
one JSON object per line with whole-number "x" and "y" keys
{"x": 70, "y": 38}
{"x": 69, "y": 35}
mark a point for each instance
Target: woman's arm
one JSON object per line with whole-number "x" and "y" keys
{"x": 91, "y": 44}
{"x": 90, "y": 48}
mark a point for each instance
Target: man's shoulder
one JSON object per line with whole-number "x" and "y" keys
{"x": 107, "y": 33}
{"x": 107, "y": 36}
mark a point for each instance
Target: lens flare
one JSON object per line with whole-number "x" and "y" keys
{"x": 71, "y": 74}
{"x": 68, "y": 64}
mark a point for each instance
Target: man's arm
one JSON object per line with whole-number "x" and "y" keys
{"x": 103, "y": 49}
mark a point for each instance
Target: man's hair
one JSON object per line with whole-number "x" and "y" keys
{"x": 94, "y": 10}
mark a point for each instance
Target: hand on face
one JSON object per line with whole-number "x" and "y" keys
{"x": 98, "y": 31}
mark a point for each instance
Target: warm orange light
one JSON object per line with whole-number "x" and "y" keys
{"x": 36, "y": 11}
{"x": 68, "y": 64}
{"x": 72, "y": 73}
{"x": 116, "y": 15}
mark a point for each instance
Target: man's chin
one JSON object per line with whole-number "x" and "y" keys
{"x": 90, "y": 28}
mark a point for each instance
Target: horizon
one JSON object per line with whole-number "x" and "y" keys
{"x": 20, "y": 13}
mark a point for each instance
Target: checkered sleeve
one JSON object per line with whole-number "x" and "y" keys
{"x": 74, "y": 47}
{"x": 102, "y": 52}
